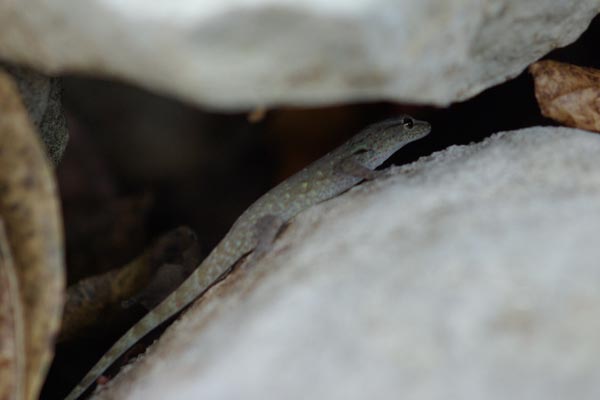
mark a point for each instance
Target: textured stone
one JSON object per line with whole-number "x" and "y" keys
{"x": 42, "y": 98}
{"x": 248, "y": 53}
{"x": 470, "y": 274}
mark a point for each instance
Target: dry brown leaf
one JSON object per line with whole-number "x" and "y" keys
{"x": 98, "y": 295}
{"x": 568, "y": 94}
{"x": 30, "y": 209}
{"x": 12, "y": 351}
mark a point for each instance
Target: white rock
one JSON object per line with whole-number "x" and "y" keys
{"x": 470, "y": 274}
{"x": 248, "y": 53}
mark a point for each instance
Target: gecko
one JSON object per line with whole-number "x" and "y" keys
{"x": 336, "y": 172}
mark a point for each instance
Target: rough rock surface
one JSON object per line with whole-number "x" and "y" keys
{"x": 247, "y": 53}
{"x": 42, "y": 98}
{"x": 470, "y": 274}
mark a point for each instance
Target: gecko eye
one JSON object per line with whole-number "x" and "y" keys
{"x": 408, "y": 123}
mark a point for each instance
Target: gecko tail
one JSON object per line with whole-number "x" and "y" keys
{"x": 139, "y": 330}
{"x": 196, "y": 284}
{"x": 165, "y": 310}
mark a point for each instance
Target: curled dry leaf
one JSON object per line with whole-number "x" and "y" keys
{"x": 102, "y": 294}
{"x": 30, "y": 209}
{"x": 12, "y": 352}
{"x": 568, "y": 94}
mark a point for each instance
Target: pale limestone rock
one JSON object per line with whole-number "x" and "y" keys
{"x": 470, "y": 274}
{"x": 240, "y": 54}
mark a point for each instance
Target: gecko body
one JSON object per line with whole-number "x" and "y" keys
{"x": 331, "y": 175}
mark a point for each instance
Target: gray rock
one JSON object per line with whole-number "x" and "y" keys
{"x": 470, "y": 274}
{"x": 42, "y": 98}
{"x": 243, "y": 54}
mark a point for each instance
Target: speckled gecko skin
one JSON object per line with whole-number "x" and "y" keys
{"x": 327, "y": 177}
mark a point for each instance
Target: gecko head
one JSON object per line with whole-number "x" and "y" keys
{"x": 379, "y": 141}
{"x": 403, "y": 128}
